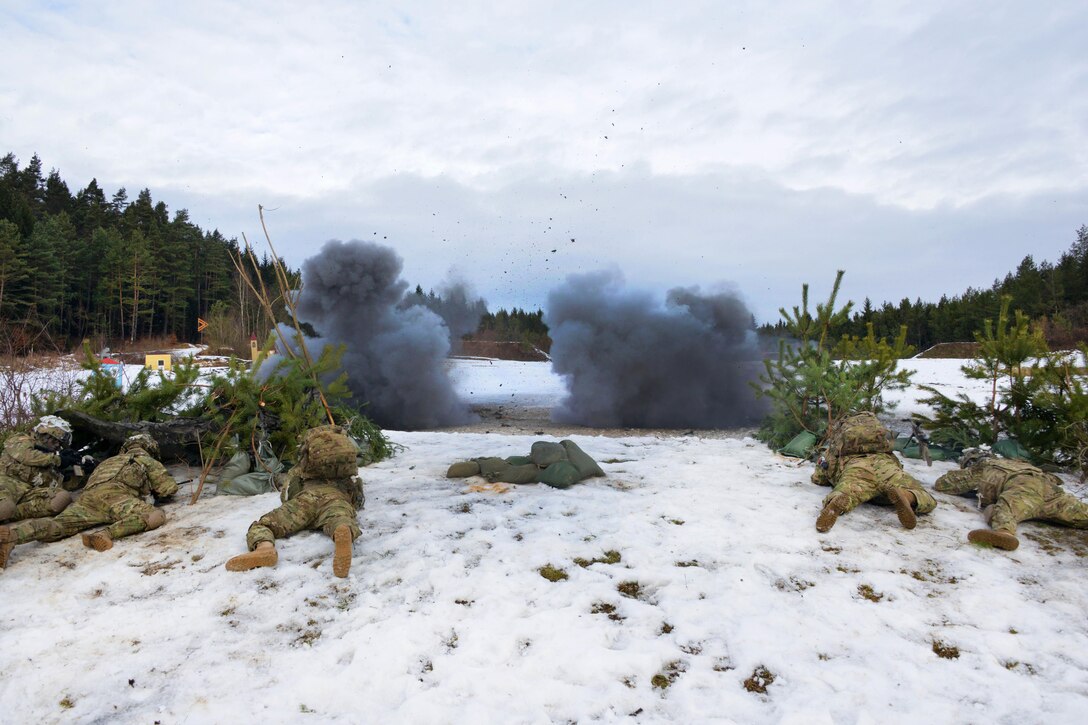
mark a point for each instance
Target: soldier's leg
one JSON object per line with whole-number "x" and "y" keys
{"x": 11, "y": 490}
{"x": 338, "y": 519}
{"x": 856, "y": 486}
{"x": 1067, "y": 510}
{"x": 292, "y": 516}
{"x": 39, "y": 502}
{"x": 77, "y": 517}
{"x": 1019, "y": 501}
{"x": 128, "y": 515}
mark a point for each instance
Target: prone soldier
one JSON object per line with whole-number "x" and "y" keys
{"x": 115, "y": 495}
{"x": 1010, "y": 492}
{"x": 860, "y": 465}
{"x": 322, "y": 491}
{"x": 32, "y": 470}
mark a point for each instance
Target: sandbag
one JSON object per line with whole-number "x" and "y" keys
{"x": 1011, "y": 448}
{"x": 581, "y": 460}
{"x": 545, "y": 453}
{"x": 491, "y": 466}
{"x": 562, "y": 474}
{"x": 518, "y": 460}
{"x": 936, "y": 453}
{"x": 800, "y": 446}
{"x": 526, "y": 473}
{"x": 238, "y": 465}
{"x": 248, "y": 484}
{"x": 464, "y": 469}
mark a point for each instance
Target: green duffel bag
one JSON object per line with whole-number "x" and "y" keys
{"x": 545, "y": 453}
{"x": 560, "y": 475}
{"x": 586, "y": 466}
{"x": 801, "y": 446}
{"x": 464, "y": 469}
{"x": 526, "y": 473}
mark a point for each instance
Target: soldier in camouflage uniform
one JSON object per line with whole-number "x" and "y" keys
{"x": 1011, "y": 492}
{"x": 876, "y": 475}
{"x": 322, "y": 491}
{"x": 31, "y": 471}
{"x": 115, "y": 495}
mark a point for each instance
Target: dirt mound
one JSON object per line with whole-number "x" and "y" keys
{"x": 502, "y": 350}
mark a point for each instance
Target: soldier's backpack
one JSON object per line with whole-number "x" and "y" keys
{"x": 327, "y": 452}
{"x": 859, "y": 434}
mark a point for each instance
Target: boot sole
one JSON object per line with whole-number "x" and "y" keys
{"x": 997, "y": 539}
{"x": 96, "y": 542}
{"x": 829, "y": 514}
{"x": 252, "y": 560}
{"x": 341, "y": 558}
{"x": 904, "y": 510}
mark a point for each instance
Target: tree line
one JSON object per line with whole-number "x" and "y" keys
{"x": 84, "y": 265}
{"x": 1054, "y": 296}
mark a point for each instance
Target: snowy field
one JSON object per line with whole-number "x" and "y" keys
{"x": 697, "y": 590}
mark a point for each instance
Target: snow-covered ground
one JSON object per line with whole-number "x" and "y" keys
{"x": 718, "y": 579}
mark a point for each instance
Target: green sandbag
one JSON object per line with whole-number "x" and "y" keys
{"x": 491, "y": 466}
{"x": 463, "y": 469}
{"x": 560, "y": 475}
{"x": 1011, "y": 448}
{"x": 527, "y": 473}
{"x": 586, "y": 466}
{"x": 518, "y": 460}
{"x": 545, "y": 453}
{"x": 238, "y": 465}
{"x": 800, "y": 446}
{"x": 248, "y": 484}
{"x": 936, "y": 453}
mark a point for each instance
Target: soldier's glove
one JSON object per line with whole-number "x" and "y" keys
{"x": 822, "y": 463}
{"x": 68, "y": 458}
{"x": 160, "y": 500}
{"x": 88, "y": 464}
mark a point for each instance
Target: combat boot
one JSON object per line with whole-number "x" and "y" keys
{"x": 7, "y": 543}
{"x": 264, "y": 555}
{"x": 98, "y": 540}
{"x": 904, "y": 501}
{"x": 830, "y": 513}
{"x": 341, "y": 557}
{"x": 994, "y": 537}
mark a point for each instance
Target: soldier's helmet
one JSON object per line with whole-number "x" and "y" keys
{"x": 53, "y": 432}
{"x": 971, "y": 456}
{"x": 142, "y": 441}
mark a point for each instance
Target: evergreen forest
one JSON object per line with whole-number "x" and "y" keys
{"x": 109, "y": 268}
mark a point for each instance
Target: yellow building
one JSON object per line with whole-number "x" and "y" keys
{"x": 162, "y": 363}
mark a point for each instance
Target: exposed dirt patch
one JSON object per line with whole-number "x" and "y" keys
{"x": 761, "y": 679}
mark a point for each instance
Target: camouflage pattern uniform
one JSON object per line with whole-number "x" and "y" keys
{"x": 114, "y": 495}
{"x": 869, "y": 477}
{"x": 320, "y": 504}
{"x": 29, "y": 477}
{"x": 1017, "y": 491}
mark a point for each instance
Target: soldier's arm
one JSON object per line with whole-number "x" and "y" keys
{"x": 24, "y": 452}
{"x": 956, "y": 482}
{"x": 162, "y": 483}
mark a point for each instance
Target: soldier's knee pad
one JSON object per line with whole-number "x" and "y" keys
{"x": 155, "y": 519}
{"x": 60, "y": 502}
{"x": 7, "y": 509}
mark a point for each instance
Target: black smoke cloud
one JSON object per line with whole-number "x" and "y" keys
{"x": 629, "y": 361}
{"x": 456, "y": 304}
{"x": 395, "y": 357}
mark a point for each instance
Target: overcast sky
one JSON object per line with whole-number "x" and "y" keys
{"x": 921, "y": 146}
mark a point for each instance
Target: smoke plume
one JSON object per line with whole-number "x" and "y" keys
{"x": 631, "y": 362}
{"x": 395, "y": 357}
{"x": 456, "y": 304}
